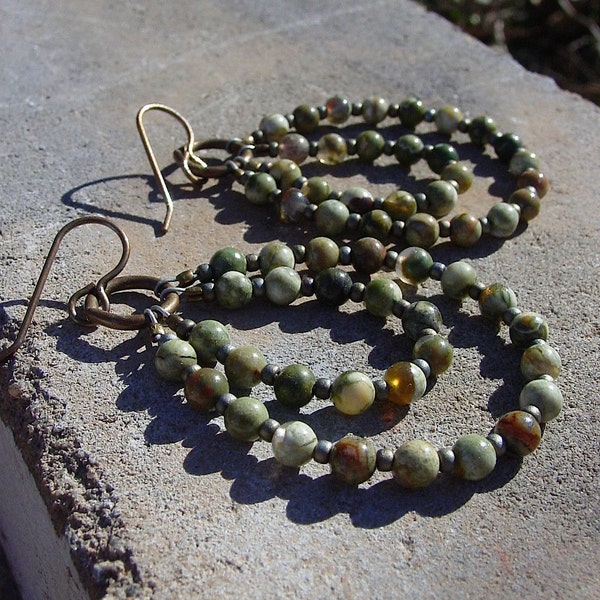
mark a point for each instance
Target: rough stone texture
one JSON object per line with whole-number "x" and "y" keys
{"x": 156, "y": 501}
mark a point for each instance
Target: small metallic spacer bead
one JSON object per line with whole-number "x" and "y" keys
{"x": 274, "y": 197}
{"x": 546, "y": 377}
{"x": 224, "y": 351}
{"x": 351, "y": 146}
{"x": 258, "y": 287}
{"x": 357, "y": 291}
{"x": 389, "y": 148}
{"x": 166, "y": 337}
{"x": 463, "y": 126}
{"x": 427, "y": 331}
{"x": 299, "y": 182}
{"x": 299, "y": 252}
{"x": 453, "y": 182}
{"x": 290, "y": 119}
{"x": 377, "y": 203}
{"x": 322, "y": 111}
{"x": 157, "y": 331}
{"x": 495, "y": 136}
{"x": 313, "y": 148}
{"x": 322, "y": 451}
{"x": 397, "y": 229}
{"x": 399, "y": 307}
{"x": 381, "y": 389}
{"x": 427, "y": 148}
{"x": 498, "y": 442}
{"x": 186, "y": 277}
{"x": 353, "y": 222}
{"x": 334, "y": 195}
{"x": 204, "y": 273}
{"x": 322, "y": 388}
{"x": 345, "y": 255}
{"x": 391, "y": 256}
{"x": 267, "y": 429}
{"x": 476, "y": 289}
{"x": 437, "y": 270}
{"x": 485, "y": 224}
{"x": 444, "y": 228}
{"x": 385, "y": 459}
{"x": 446, "y": 456}
{"x": 537, "y": 342}
{"x": 208, "y": 291}
{"x": 265, "y": 166}
{"x": 273, "y": 149}
{"x": 223, "y": 402}
{"x": 422, "y": 364}
{"x": 357, "y": 108}
{"x": 243, "y": 178}
{"x": 510, "y": 314}
{"x": 422, "y": 202}
{"x": 258, "y": 136}
{"x": 307, "y": 287}
{"x": 516, "y": 207}
{"x": 184, "y": 328}
{"x": 309, "y": 211}
{"x": 189, "y": 370}
{"x": 393, "y": 110}
{"x": 429, "y": 115}
{"x": 268, "y": 373}
{"x": 534, "y": 411}
{"x": 252, "y": 262}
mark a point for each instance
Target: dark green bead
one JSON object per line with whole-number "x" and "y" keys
{"x": 227, "y": 259}
{"x": 243, "y": 367}
{"x": 441, "y": 198}
{"x": 306, "y": 118}
{"x": 436, "y": 350}
{"x": 258, "y": 188}
{"x": 419, "y": 316}
{"x": 331, "y": 217}
{"x": 316, "y": 189}
{"x": 503, "y": 219}
{"x": 421, "y": 230}
{"x": 368, "y": 255}
{"x": 459, "y": 173}
{"x": 203, "y": 388}
{"x": 408, "y": 150}
{"x": 376, "y": 223}
{"x": 480, "y": 130}
{"x": 332, "y": 286}
{"x": 207, "y": 337}
{"x": 369, "y": 145}
{"x": 526, "y": 328}
{"x": 506, "y": 145}
{"x": 380, "y": 296}
{"x": 440, "y": 156}
{"x": 495, "y": 300}
{"x": 233, "y": 290}
{"x": 293, "y": 386}
{"x": 243, "y": 418}
{"x": 275, "y": 254}
{"x": 411, "y": 112}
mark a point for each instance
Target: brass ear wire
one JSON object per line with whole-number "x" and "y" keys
{"x": 98, "y": 288}
{"x": 188, "y": 155}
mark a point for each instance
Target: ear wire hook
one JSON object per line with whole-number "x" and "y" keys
{"x": 35, "y": 298}
{"x": 189, "y": 154}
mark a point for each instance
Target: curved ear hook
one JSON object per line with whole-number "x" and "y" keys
{"x": 189, "y": 154}
{"x": 35, "y": 298}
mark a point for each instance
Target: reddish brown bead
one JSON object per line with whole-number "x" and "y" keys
{"x": 520, "y": 431}
{"x": 536, "y": 179}
{"x": 368, "y": 255}
{"x": 353, "y": 459}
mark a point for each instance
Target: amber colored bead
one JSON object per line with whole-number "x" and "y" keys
{"x": 520, "y": 431}
{"x": 368, "y": 255}
{"x": 406, "y": 383}
{"x": 353, "y": 459}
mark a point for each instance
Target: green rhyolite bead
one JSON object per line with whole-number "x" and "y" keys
{"x": 285, "y": 172}
{"x": 495, "y": 300}
{"x": 545, "y": 396}
{"x": 441, "y": 198}
{"x": 293, "y": 386}
{"x": 282, "y": 285}
{"x": 411, "y": 112}
{"x": 321, "y": 253}
{"x": 421, "y": 315}
{"x": 243, "y": 418}
{"x": 353, "y": 459}
{"x": 292, "y": 206}
{"x": 380, "y": 296}
{"x": 227, "y": 259}
{"x": 506, "y": 145}
{"x": 274, "y": 127}
{"x": 456, "y": 280}
{"x": 243, "y": 367}
{"x": 352, "y": 392}
{"x": 332, "y": 286}
{"x": 540, "y": 359}
{"x": 436, "y": 350}
{"x": 233, "y": 290}
{"x": 331, "y": 149}
{"x": 480, "y": 129}
{"x": 375, "y": 109}
{"x": 316, "y": 189}
{"x": 207, "y": 337}
{"x": 413, "y": 265}
{"x": 528, "y": 201}
{"x": 376, "y": 223}
{"x": 258, "y": 188}
{"x": 293, "y": 443}
{"x": 294, "y": 146}
{"x": 400, "y": 205}
{"x": 408, "y": 149}
{"x": 369, "y": 145}
{"x": 331, "y": 217}
{"x": 173, "y": 357}
{"x": 441, "y": 156}
{"x": 520, "y": 431}
{"x": 527, "y": 327}
{"x": 275, "y": 254}
{"x": 338, "y": 109}
{"x": 447, "y": 119}
{"x": 465, "y": 230}
{"x": 306, "y": 118}
{"x": 416, "y": 464}
{"x": 421, "y": 230}
{"x": 460, "y": 173}
{"x": 474, "y": 457}
{"x": 522, "y": 160}
{"x": 203, "y": 387}
{"x": 503, "y": 219}
{"x": 368, "y": 255}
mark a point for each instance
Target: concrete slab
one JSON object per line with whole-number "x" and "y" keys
{"x": 155, "y": 501}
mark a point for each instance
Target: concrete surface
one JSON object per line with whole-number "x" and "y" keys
{"x": 152, "y": 500}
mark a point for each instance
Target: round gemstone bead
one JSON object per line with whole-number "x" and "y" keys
{"x": 459, "y": 173}
{"x": 243, "y": 418}
{"x": 535, "y": 179}
{"x": 203, "y": 388}
{"x": 457, "y": 279}
{"x": 331, "y": 217}
{"x": 293, "y": 385}
{"x": 294, "y": 146}
{"x": 503, "y": 219}
{"x": 275, "y": 254}
{"x": 321, "y": 253}
{"x": 474, "y": 457}
{"x": 207, "y": 337}
{"x": 259, "y": 187}
{"x": 408, "y": 149}
{"x": 369, "y": 145}
{"x": 411, "y": 112}
{"x": 540, "y": 359}
{"x": 274, "y": 127}
{"x": 522, "y": 160}
{"x": 419, "y": 316}
{"x": 436, "y": 350}
{"x": 441, "y": 197}
{"x": 480, "y": 129}
{"x": 440, "y": 156}
{"x": 413, "y": 265}
{"x": 227, "y": 259}
{"x": 282, "y": 285}
{"x": 465, "y": 230}
{"x": 357, "y": 199}
{"x": 380, "y": 296}
{"x": 528, "y": 201}
{"x": 293, "y": 206}
{"x": 447, "y": 119}
{"x": 306, "y": 118}
{"x": 332, "y": 286}
{"x": 368, "y": 255}
{"x": 331, "y": 149}
{"x": 421, "y": 230}
{"x": 316, "y": 189}
{"x": 233, "y": 290}
{"x": 545, "y": 396}
{"x": 294, "y": 443}
{"x": 353, "y": 459}
{"x": 352, "y": 392}
{"x": 406, "y": 383}
{"x": 338, "y": 109}
{"x": 243, "y": 367}
{"x": 400, "y": 205}
{"x": 375, "y": 109}
{"x": 506, "y": 145}
{"x": 285, "y": 172}
{"x": 416, "y": 464}
{"x": 173, "y": 357}
{"x": 520, "y": 431}
{"x": 376, "y": 223}
{"x": 495, "y": 300}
